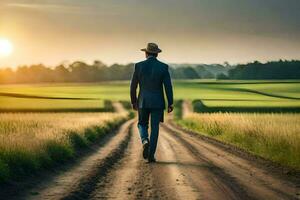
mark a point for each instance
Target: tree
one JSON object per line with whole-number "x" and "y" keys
{"x": 222, "y": 76}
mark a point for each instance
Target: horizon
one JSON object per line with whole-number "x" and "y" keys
{"x": 52, "y": 32}
{"x": 67, "y": 63}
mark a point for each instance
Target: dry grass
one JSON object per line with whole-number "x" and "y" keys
{"x": 31, "y": 141}
{"x": 31, "y": 130}
{"x": 273, "y": 136}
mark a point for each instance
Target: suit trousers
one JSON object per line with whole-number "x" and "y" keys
{"x": 143, "y": 125}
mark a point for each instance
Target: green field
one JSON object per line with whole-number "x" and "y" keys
{"x": 108, "y": 90}
{"x": 257, "y": 94}
{"x": 242, "y": 94}
{"x": 32, "y": 141}
{"x": 11, "y": 103}
{"x": 253, "y": 115}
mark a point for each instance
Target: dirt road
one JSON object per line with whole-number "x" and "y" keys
{"x": 187, "y": 167}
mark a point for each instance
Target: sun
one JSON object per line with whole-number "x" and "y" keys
{"x": 6, "y": 47}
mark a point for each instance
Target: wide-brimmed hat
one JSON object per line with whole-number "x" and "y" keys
{"x": 152, "y": 48}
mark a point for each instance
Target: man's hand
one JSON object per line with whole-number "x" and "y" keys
{"x": 135, "y": 106}
{"x": 170, "y": 108}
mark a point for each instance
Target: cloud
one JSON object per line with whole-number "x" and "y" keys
{"x": 79, "y": 9}
{"x": 51, "y": 7}
{"x": 37, "y": 6}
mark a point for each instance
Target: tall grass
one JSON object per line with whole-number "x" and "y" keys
{"x": 273, "y": 136}
{"x": 31, "y": 141}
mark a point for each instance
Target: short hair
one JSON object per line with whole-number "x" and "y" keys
{"x": 152, "y": 54}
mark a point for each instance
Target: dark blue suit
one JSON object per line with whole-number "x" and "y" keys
{"x": 152, "y": 76}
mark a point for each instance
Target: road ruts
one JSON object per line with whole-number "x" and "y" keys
{"x": 134, "y": 178}
{"x": 187, "y": 167}
{"x": 244, "y": 178}
{"x": 79, "y": 181}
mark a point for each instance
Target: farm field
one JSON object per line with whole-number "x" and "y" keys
{"x": 36, "y": 104}
{"x": 243, "y": 94}
{"x": 272, "y": 136}
{"x": 260, "y": 122}
{"x": 107, "y": 90}
{"x": 211, "y": 93}
{"x": 30, "y": 141}
{"x": 44, "y": 126}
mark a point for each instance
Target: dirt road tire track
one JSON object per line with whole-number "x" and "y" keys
{"x": 248, "y": 177}
{"x": 78, "y": 182}
{"x": 187, "y": 167}
{"x": 88, "y": 184}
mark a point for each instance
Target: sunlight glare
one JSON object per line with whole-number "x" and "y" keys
{"x": 6, "y": 47}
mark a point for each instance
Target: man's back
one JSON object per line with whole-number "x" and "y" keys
{"x": 151, "y": 75}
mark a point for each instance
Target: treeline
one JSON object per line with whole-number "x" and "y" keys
{"x": 270, "y": 70}
{"x": 83, "y": 72}
{"x": 200, "y": 71}
{"x": 75, "y": 72}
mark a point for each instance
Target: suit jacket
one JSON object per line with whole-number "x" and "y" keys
{"x": 151, "y": 75}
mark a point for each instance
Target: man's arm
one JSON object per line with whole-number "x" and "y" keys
{"x": 169, "y": 90}
{"x": 133, "y": 87}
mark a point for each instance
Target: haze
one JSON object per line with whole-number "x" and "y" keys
{"x": 190, "y": 31}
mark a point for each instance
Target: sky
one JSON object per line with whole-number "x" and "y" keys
{"x": 114, "y": 31}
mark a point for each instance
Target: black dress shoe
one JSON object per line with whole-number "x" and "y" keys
{"x": 145, "y": 149}
{"x": 151, "y": 160}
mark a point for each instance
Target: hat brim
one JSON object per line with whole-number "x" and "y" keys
{"x": 146, "y": 50}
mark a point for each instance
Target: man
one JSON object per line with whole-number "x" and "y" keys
{"x": 151, "y": 75}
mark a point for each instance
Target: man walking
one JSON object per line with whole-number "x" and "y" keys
{"x": 151, "y": 75}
